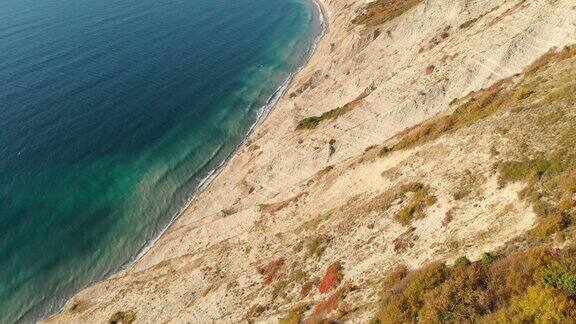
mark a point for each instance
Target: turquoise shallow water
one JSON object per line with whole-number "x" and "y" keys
{"x": 111, "y": 114}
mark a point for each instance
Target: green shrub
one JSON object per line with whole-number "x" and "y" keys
{"x": 295, "y": 314}
{"x": 513, "y": 171}
{"x": 416, "y": 206}
{"x": 462, "y": 261}
{"x": 497, "y": 97}
{"x": 550, "y": 224}
{"x": 384, "y": 150}
{"x": 123, "y": 317}
{"x": 403, "y": 306}
{"x": 309, "y": 123}
{"x": 468, "y": 23}
{"x": 314, "y": 121}
{"x": 511, "y": 288}
{"x": 540, "y": 304}
{"x": 487, "y": 258}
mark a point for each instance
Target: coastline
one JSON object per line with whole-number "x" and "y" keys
{"x": 207, "y": 180}
{"x": 261, "y": 117}
{"x": 275, "y": 194}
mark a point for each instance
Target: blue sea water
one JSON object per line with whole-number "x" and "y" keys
{"x": 111, "y": 114}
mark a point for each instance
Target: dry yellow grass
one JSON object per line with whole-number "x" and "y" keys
{"x": 381, "y": 11}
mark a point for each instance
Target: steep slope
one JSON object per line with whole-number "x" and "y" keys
{"x": 523, "y": 129}
{"x": 342, "y": 183}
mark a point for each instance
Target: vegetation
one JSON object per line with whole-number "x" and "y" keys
{"x": 461, "y": 193}
{"x": 539, "y": 284}
{"x": 295, "y": 315}
{"x": 306, "y": 288}
{"x": 415, "y": 197}
{"x": 254, "y": 311}
{"x": 123, "y": 317}
{"x": 503, "y": 94}
{"x": 329, "y": 305}
{"x": 384, "y": 150}
{"x": 297, "y": 274}
{"x": 403, "y": 306}
{"x": 316, "y": 246}
{"x": 314, "y": 121}
{"x": 416, "y": 205}
{"x": 479, "y": 106}
{"x": 395, "y": 275}
{"x": 381, "y": 11}
{"x": 405, "y": 240}
{"x": 550, "y": 187}
{"x": 331, "y": 279}
{"x": 79, "y": 307}
{"x": 469, "y": 23}
{"x": 279, "y": 289}
{"x": 534, "y": 286}
{"x": 549, "y": 174}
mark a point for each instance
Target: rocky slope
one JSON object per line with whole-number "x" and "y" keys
{"x": 343, "y": 182}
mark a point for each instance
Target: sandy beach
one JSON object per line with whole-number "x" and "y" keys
{"x": 302, "y": 199}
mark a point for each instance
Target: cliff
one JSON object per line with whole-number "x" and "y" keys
{"x": 420, "y": 131}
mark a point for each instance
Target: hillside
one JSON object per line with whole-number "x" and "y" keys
{"x": 421, "y": 133}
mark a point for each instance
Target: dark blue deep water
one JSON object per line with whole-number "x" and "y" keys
{"x": 111, "y": 114}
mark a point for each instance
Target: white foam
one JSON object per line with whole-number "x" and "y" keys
{"x": 261, "y": 115}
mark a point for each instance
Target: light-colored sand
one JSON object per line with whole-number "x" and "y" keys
{"x": 205, "y": 266}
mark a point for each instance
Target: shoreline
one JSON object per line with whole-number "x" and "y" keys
{"x": 262, "y": 114}
{"x": 271, "y": 221}
{"x": 211, "y": 175}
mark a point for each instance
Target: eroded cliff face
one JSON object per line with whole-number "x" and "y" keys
{"x": 311, "y": 214}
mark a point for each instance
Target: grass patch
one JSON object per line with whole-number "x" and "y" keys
{"x": 473, "y": 21}
{"x": 415, "y": 208}
{"x": 384, "y": 150}
{"x": 316, "y": 246}
{"x": 314, "y": 121}
{"x": 381, "y": 11}
{"x": 126, "y": 317}
{"x": 469, "y": 23}
{"x": 502, "y": 95}
{"x": 295, "y": 315}
{"x": 415, "y": 197}
{"x": 79, "y": 307}
{"x": 393, "y": 277}
{"x": 279, "y": 289}
{"x": 297, "y": 274}
{"x": 479, "y": 106}
{"x": 538, "y": 285}
{"x": 306, "y": 288}
{"x": 550, "y": 185}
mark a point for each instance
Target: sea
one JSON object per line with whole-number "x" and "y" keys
{"x": 113, "y": 115}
